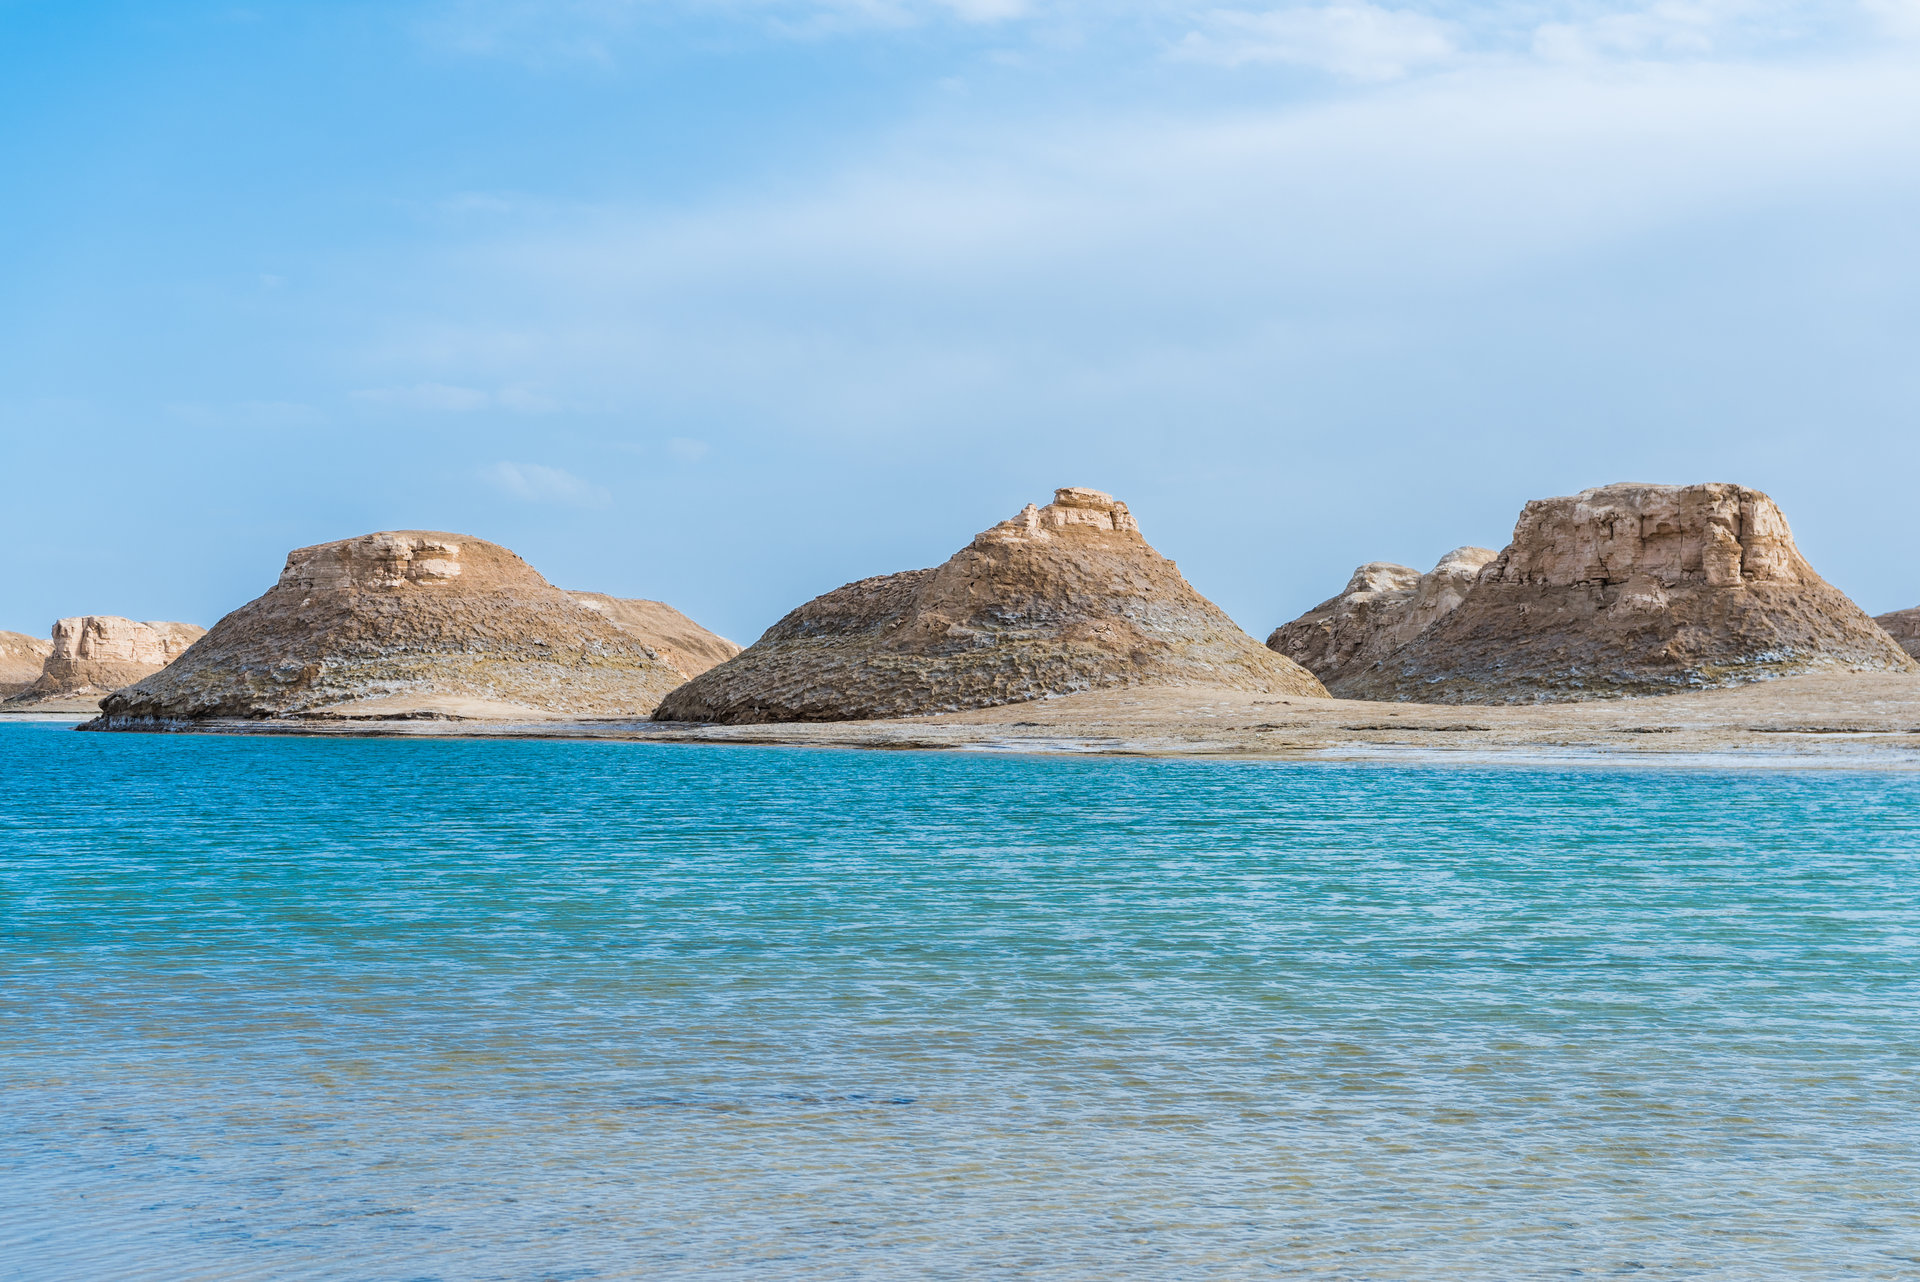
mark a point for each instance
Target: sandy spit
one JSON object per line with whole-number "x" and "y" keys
{"x": 1844, "y": 720}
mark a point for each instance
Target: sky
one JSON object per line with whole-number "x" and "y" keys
{"x": 728, "y": 302}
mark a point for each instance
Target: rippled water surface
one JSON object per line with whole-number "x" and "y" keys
{"x": 410, "y": 1009}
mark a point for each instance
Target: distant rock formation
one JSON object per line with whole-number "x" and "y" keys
{"x": 1383, "y": 607}
{"x": 1903, "y": 626}
{"x": 1059, "y": 599}
{"x": 404, "y": 624}
{"x": 690, "y": 648}
{"x": 21, "y": 659}
{"x": 96, "y": 654}
{"x": 1631, "y": 590}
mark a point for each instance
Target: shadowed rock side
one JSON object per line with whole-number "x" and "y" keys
{"x": 1383, "y": 607}
{"x": 96, "y": 654}
{"x": 1631, "y": 590}
{"x": 403, "y": 625}
{"x": 1903, "y": 626}
{"x": 681, "y": 642}
{"x": 1062, "y": 598}
{"x": 21, "y": 659}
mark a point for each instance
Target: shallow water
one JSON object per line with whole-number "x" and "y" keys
{"x": 414, "y": 1009}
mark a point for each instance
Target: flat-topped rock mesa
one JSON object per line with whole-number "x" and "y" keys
{"x": 681, "y": 642}
{"x": 1903, "y": 626}
{"x": 1383, "y": 607}
{"x": 95, "y": 654}
{"x": 398, "y": 625}
{"x": 21, "y": 659}
{"x": 1633, "y": 590}
{"x": 1058, "y": 599}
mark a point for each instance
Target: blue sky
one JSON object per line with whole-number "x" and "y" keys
{"x": 727, "y": 302}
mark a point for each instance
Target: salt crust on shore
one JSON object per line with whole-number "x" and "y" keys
{"x": 1868, "y": 720}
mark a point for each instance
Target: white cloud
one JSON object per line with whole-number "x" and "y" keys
{"x": 543, "y": 32}
{"x": 1667, "y": 30}
{"x": 1357, "y": 41}
{"x": 687, "y": 450}
{"x": 986, "y": 10}
{"x": 535, "y": 483}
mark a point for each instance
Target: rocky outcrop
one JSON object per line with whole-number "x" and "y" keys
{"x": 1631, "y": 590}
{"x": 21, "y": 659}
{"x": 678, "y": 640}
{"x": 404, "y": 624}
{"x": 1903, "y": 626}
{"x": 1061, "y": 598}
{"x": 1383, "y": 607}
{"x": 96, "y": 654}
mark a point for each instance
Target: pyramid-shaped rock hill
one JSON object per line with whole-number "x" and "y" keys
{"x": 1633, "y": 590}
{"x": 408, "y": 623}
{"x": 1383, "y": 607}
{"x": 95, "y": 654}
{"x": 681, "y": 642}
{"x": 1061, "y": 598}
{"x": 21, "y": 660}
{"x": 1903, "y": 626}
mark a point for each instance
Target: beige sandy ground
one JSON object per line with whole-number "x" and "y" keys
{"x": 1862, "y": 720}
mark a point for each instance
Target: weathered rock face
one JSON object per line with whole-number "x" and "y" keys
{"x": 404, "y": 624}
{"x": 21, "y": 659}
{"x": 1383, "y": 607}
{"x": 1628, "y": 590}
{"x": 1061, "y": 598}
{"x": 681, "y": 642}
{"x": 1903, "y": 626}
{"x": 96, "y": 654}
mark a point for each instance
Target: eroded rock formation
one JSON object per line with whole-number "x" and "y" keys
{"x": 1903, "y": 626}
{"x": 690, "y": 648}
{"x": 96, "y": 654}
{"x": 21, "y": 659}
{"x": 1628, "y": 590}
{"x": 403, "y": 624}
{"x": 1058, "y": 599}
{"x": 1383, "y": 607}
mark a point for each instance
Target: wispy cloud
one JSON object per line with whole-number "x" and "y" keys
{"x": 594, "y": 31}
{"x": 1354, "y": 41}
{"x": 536, "y": 483}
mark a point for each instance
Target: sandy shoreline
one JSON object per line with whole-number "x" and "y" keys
{"x": 1854, "y": 720}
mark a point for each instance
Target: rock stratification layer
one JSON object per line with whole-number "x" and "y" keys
{"x": 1383, "y": 607}
{"x": 1903, "y": 626}
{"x": 1061, "y": 598}
{"x": 21, "y": 659}
{"x": 684, "y": 644}
{"x": 408, "y": 623}
{"x": 96, "y": 654}
{"x": 1630, "y": 590}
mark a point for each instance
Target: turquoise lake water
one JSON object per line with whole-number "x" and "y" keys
{"x": 417, "y": 1009}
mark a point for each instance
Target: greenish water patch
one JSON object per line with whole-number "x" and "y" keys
{"x": 409, "y": 1009}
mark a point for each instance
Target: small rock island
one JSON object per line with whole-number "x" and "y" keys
{"x": 1620, "y": 590}
{"x": 1059, "y": 599}
{"x": 410, "y": 624}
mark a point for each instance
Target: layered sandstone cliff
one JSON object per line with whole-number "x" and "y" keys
{"x": 1383, "y": 607}
{"x": 1058, "y": 599}
{"x": 96, "y": 654}
{"x": 408, "y": 623}
{"x": 1629, "y": 590}
{"x": 21, "y": 659}
{"x": 1903, "y": 626}
{"x": 681, "y": 642}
